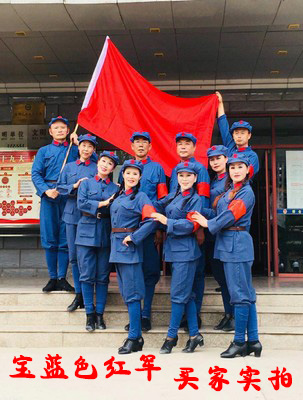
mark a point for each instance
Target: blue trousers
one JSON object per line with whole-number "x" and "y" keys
{"x": 151, "y": 271}
{"x": 71, "y": 231}
{"x": 199, "y": 281}
{"x": 182, "y": 280}
{"x": 131, "y": 282}
{"x": 177, "y": 311}
{"x": 53, "y": 236}
{"x": 134, "y": 312}
{"x": 94, "y": 273}
{"x": 218, "y": 273}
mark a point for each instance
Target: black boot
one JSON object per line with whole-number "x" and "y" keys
{"x": 168, "y": 345}
{"x": 193, "y": 343}
{"x": 126, "y": 328}
{"x": 90, "y": 322}
{"x": 50, "y": 286}
{"x": 77, "y": 303}
{"x": 131, "y": 346}
{"x": 223, "y": 322}
{"x": 62, "y": 284}
{"x": 230, "y": 325}
{"x": 145, "y": 324}
{"x": 254, "y": 347}
{"x": 218, "y": 289}
{"x": 100, "y": 324}
{"x": 234, "y": 350}
{"x": 183, "y": 323}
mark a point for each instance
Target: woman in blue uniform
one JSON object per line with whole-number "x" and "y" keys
{"x": 234, "y": 247}
{"x": 131, "y": 224}
{"x": 92, "y": 240}
{"x": 72, "y": 176}
{"x": 217, "y": 157}
{"x": 182, "y": 250}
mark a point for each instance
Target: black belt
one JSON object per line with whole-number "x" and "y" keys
{"x": 98, "y": 215}
{"x": 235, "y": 228}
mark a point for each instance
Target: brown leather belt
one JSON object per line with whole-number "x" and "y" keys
{"x": 51, "y": 181}
{"x": 235, "y": 228}
{"x": 123, "y": 230}
{"x": 98, "y": 215}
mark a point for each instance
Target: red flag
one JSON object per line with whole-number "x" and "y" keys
{"x": 119, "y": 101}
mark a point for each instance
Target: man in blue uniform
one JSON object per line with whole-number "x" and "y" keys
{"x": 153, "y": 183}
{"x": 72, "y": 176}
{"x": 186, "y": 146}
{"x": 237, "y": 137}
{"x": 45, "y": 173}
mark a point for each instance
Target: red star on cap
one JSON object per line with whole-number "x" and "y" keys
{"x": 241, "y": 122}
{"x": 132, "y": 161}
{"x": 112, "y": 153}
{"x": 182, "y": 134}
{"x": 213, "y": 148}
{"x": 89, "y": 135}
{"x": 235, "y": 156}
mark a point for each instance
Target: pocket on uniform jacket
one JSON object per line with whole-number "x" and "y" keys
{"x": 180, "y": 244}
{"x": 92, "y": 194}
{"x": 226, "y": 242}
{"x": 48, "y": 160}
{"x": 87, "y": 229}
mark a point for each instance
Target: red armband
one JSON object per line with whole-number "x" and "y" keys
{"x": 189, "y": 217}
{"x": 161, "y": 190}
{"x": 238, "y": 208}
{"x": 147, "y": 210}
{"x": 251, "y": 171}
{"x": 203, "y": 189}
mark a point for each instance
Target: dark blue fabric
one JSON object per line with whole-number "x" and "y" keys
{"x": 241, "y": 320}
{"x": 101, "y": 296}
{"x": 191, "y": 316}
{"x": 183, "y": 273}
{"x": 51, "y": 261}
{"x": 71, "y": 231}
{"x": 199, "y": 280}
{"x": 93, "y": 264}
{"x": 252, "y": 325}
{"x": 62, "y": 263}
{"x": 148, "y": 299}
{"x": 88, "y": 297}
{"x": 239, "y": 282}
{"x": 177, "y": 311}
{"x": 134, "y": 312}
{"x": 131, "y": 281}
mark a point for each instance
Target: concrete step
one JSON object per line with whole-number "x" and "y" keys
{"x": 76, "y": 336}
{"x": 211, "y": 298}
{"x": 116, "y": 316}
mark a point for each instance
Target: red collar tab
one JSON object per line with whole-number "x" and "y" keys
{"x": 192, "y": 159}
{"x": 221, "y": 176}
{"x": 147, "y": 160}
{"x": 65, "y": 143}
{"x": 186, "y": 193}
{"x": 132, "y": 161}
{"x": 186, "y": 164}
{"x": 97, "y": 178}
{"x": 107, "y": 181}
{"x": 87, "y": 162}
{"x": 56, "y": 143}
{"x": 242, "y": 148}
{"x": 238, "y": 185}
{"x": 128, "y": 192}
{"x": 78, "y": 162}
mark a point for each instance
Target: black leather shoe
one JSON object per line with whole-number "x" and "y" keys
{"x": 77, "y": 303}
{"x": 100, "y": 324}
{"x": 253, "y": 347}
{"x": 223, "y": 322}
{"x": 234, "y": 350}
{"x": 193, "y": 343}
{"x": 131, "y": 346}
{"x": 126, "y": 328}
{"x": 168, "y": 345}
{"x": 90, "y": 322}
{"x": 230, "y": 325}
{"x": 145, "y": 324}
{"x": 50, "y": 286}
{"x": 62, "y": 284}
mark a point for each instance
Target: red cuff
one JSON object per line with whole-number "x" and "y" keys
{"x": 238, "y": 208}
{"x": 203, "y": 189}
{"x": 251, "y": 171}
{"x": 161, "y": 190}
{"x": 189, "y": 217}
{"x": 147, "y": 210}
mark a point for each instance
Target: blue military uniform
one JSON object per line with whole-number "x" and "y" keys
{"x": 182, "y": 250}
{"x": 217, "y": 187}
{"x": 45, "y": 173}
{"x": 127, "y": 211}
{"x": 234, "y": 247}
{"x": 153, "y": 183}
{"x": 229, "y": 142}
{"x": 203, "y": 190}
{"x": 93, "y": 239}
{"x": 71, "y": 173}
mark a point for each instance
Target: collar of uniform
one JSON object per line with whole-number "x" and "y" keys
{"x": 97, "y": 178}
{"x": 128, "y": 192}
{"x": 146, "y": 161}
{"x": 221, "y": 176}
{"x": 241, "y": 149}
{"x": 56, "y": 143}
{"x": 238, "y": 185}
{"x": 186, "y": 192}
{"x": 87, "y": 162}
{"x": 191, "y": 159}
